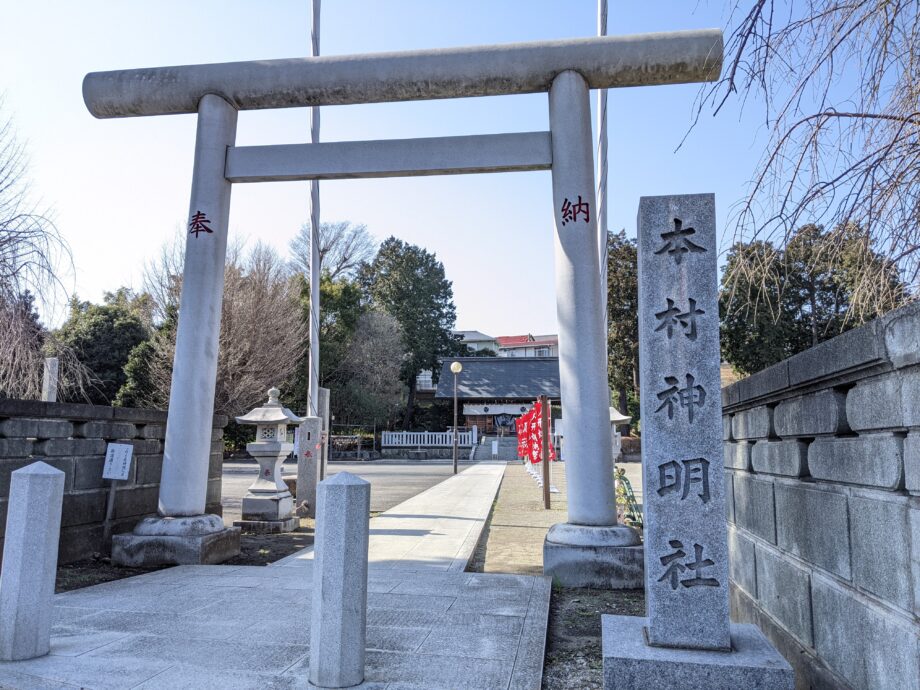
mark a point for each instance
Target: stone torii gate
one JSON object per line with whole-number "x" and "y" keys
{"x": 591, "y": 541}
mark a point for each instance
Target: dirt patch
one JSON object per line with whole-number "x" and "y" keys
{"x": 94, "y": 571}
{"x": 263, "y": 549}
{"x": 477, "y": 561}
{"x": 255, "y": 549}
{"x": 573, "y": 638}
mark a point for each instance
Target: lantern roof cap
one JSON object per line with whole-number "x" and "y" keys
{"x": 272, "y": 412}
{"x": 617, "y": 417}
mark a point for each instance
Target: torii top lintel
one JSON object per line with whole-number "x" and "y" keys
{"x": 605, "y": 62}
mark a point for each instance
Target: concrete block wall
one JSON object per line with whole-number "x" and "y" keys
{"x": 73, "y": 438}
{"x": 822, "y": 464}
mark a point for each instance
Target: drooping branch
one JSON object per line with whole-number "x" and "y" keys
{"x": 839, "y": 84}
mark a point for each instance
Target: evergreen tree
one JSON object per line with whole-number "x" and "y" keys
{"x": 409, "y": 283}
{"x": 342, "y": 307}
{"x": 140, "y": 388}
{"x": 777, "y": 302}
{"x": 759, "y": 324}
{"x": 102, "y": 336}
{"x": 623, "y": 322}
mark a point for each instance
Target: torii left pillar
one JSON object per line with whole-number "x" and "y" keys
{"x": 183, "y": 533}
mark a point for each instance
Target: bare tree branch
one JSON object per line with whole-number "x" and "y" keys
{"x": 343, "y": 247}
{"x": 840, "y": 85}
{"x": 31, "y": 250}
{"x": 262, "y": 337}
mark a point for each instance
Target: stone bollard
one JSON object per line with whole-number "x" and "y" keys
{"x": 339, "y": 614}
{"x": 30, "y": 551}
{"x": 309, "y": 460}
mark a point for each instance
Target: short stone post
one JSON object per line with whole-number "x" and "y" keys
{"x": 324, "y": 414}
{"x": 339, "y": 614}
{"x": 50, "y": 380}
{"x": 309, "y": 458}
{"x": 687, "y": 639}
{"x": 30, "y": 552}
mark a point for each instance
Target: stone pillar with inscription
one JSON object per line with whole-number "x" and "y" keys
{"x": 183, "y": 533}
{"x": 50, "y": 380}
{"x": 590, "y": 549}
{"x": 686, "y": 640}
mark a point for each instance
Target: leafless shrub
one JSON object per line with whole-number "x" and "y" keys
{"x": 262, "y": 337}
{"x": 31, "y": 250}
{"x": 30, "y": 245}
{"x": 840, "y": 84}
{"x": 370, "y": 370}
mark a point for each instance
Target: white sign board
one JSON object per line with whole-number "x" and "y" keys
{"x": 494, "y": 448}
{"x": 117, "y": 461}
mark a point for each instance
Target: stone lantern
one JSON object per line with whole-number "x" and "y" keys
{"x": 617, "y": 419}
{"x": 268, "y": 506}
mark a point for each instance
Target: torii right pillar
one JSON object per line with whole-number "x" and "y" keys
{"x": 590, "y": 549}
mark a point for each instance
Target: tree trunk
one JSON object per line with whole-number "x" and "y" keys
{"x": 635, "y": 369}
{"x": 623, "y": 400}
{"x": 814, "y": 316}
{"x": 410, "y": 405}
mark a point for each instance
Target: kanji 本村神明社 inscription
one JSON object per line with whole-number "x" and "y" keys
{"x": 673, "y": 317}
{"x": 690, "y": 396}
{"x": 677, "y": 242}
{"x": 686, "y": 545}
{"x": 681, "y": 477}
{"x": 674, "y": 568}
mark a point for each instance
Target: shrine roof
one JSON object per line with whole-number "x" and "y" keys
{"x": 513, "y": 378}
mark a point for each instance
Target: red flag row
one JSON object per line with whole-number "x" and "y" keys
{"x": 530, "y": 435}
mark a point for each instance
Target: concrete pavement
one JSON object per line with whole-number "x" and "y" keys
{"x": 436, "y": 530}
{"x": 392, "y": 482}
{"x": 430, "y": 624}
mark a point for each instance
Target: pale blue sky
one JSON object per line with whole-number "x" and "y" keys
{"x": 120, "y": 188}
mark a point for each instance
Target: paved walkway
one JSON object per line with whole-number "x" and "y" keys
{"x": 430, "y": 625}
{"x": 392, "y": 482}
{"x": 436, "y": 530}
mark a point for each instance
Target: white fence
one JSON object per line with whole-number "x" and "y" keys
{"x": 428, "y": 439}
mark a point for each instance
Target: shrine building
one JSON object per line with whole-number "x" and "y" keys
{"x": 493, "y": 391}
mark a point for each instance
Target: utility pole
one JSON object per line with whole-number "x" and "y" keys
{"x": 314, "y": 241}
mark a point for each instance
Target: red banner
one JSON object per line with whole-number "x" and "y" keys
{"x": 524, "y": 437}
{"x": 536, "y": 433}
{"x": 529, "y": 427}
